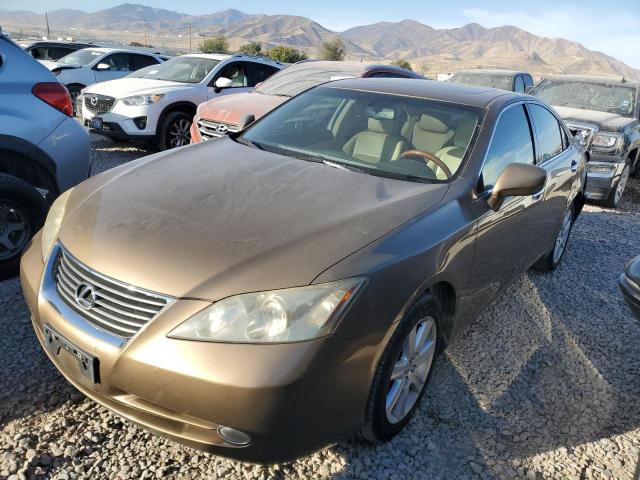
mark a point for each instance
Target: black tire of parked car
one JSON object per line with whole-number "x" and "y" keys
{"x": 548, "y": 263}
{"x": 169, "y": 123}
{"x": 377, "y": 427}
{"x": 24, "y": 204}
{"x": 635, "y": 173}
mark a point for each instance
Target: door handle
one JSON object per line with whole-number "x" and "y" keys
{"x": 574, "y": 165}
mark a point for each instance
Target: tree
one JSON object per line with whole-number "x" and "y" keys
{"x": 251, "y": 48}
{"x": 286, "y": 54}
{"x": 333, "y": 50}
{"x": 402, "y": 63}
{"x": 217, "y": 44}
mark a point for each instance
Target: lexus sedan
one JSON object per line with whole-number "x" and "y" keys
{"x": 263, "y": 294}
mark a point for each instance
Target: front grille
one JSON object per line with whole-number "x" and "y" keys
{"x": 97, "y": 104}
{"x": 117, "y": 307}
{"x": 209, "y": 130}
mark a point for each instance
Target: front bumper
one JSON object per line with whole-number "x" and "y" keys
{"x": 600, "y": 184}
{"x": 121, "y": 120}
{"x": 291, "y": 399}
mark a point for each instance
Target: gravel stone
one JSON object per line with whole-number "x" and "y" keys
{"x": 545, "y": 385}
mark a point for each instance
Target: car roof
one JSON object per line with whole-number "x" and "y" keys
{"x": 428, "y": 89}
{"x": 595, "y": 79}
{"x": 488, "y": 71}
{"x": 213, "y": 56}
{"x": 58, "y": 42}
{"x": 122, "y": 49}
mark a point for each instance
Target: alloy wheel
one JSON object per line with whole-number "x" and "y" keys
{"x": 179, "y": 133}
{"x": 14, "y": 230}
{"x": 622, "y": 183}
{"x": 563, "y": 236}
{"x": 411, "y": 370}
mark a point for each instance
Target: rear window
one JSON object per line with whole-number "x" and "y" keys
{"x": 297, "y": 78}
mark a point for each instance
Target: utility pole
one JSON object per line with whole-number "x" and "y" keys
{"x": 190, "y": 39}
{"x": 145, "y": 33}
{"x": 46, "y": 16}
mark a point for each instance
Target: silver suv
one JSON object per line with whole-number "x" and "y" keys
{"x": 43, "y": 150}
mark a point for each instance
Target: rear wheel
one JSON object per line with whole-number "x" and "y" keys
{"x": 403, "y": 372}
{"x": 22, "y": 214}
{"x": 174, "y": 130}
{"x": 616, "y": 194}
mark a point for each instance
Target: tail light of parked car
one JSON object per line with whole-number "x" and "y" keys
{"x": 56, "y": 95}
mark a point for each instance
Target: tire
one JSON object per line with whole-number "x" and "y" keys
{"x": 20, "y": 204}
{"x": 616, "y": 192}
{"x": 172, "y": 132}
{"x": 552, "y": 259}
{"x": 635, "y": 173}
{"x": 74, "y": 91}
{"x": 379, "y": 424}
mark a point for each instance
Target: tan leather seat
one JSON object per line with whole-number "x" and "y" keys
{"x": 381, "y": 141}
{"x": 430, "y": 134}
{"x": 452, "y": 155}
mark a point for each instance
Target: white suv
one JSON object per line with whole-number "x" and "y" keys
{"x": 158, "y": 103}
{"x": 92, "y": 65}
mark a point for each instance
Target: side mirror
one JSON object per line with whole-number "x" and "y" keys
{"x": 246, "y": 120}
{"x": 103, "y": 66}
{"x": 517, "y": 180}
{"x": 223, "y": 82}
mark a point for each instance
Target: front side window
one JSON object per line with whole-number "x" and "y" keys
{"x": 547, "y": 132}
{"x": 599, "y": 96}
{"x": 259, "y": 72}
{"x": 235, "y": 72}
{"x": 118, "y": 62}
{"x": 374, "y": 133}
{"x": 181, "y": 69}
{"x": 511, "y": 143}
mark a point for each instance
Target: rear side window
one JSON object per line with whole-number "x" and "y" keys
{"x": 547, "y": 132}
{"x": 141, "y": 61}
{"x": 519, "y": 85}
{"x": 511, "y": 143}
{"x": 258, "y": 72}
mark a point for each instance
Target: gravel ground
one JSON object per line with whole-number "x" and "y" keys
{"x": 544, "y": 385}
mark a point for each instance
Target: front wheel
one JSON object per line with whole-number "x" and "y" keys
{"x": 552, "y": 259}
{"x": 616, "y": 194}
{"x": 174, "y": 130}
{"x": 403, "y": 371}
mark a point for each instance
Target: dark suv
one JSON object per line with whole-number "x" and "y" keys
{"x": 605, "y": 112}
{"x": 513, "y": 81}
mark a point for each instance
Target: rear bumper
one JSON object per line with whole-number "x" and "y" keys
{"x": 291, "y": 399}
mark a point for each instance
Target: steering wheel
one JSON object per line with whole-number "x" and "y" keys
{"x": 429, "y": 157}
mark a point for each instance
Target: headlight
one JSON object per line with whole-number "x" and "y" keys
{"x": 138, "y": 100}
{"x": 52, "y": 224}
{"x": 605, "y": 140}
{"x": 289, "y": 315}
{"x": 600, "y": 168}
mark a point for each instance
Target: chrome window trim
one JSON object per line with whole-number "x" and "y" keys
{"x": 535, "y": 134}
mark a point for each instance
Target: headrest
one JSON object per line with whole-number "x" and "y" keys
{"x": 463, "y": 132}
{"x": 381, "y": 125}
{"x": 433, "y": 124}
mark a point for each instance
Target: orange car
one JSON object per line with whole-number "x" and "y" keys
{"x": 231, "y": 113}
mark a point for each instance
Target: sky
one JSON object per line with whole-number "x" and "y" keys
{"x": 609, "y": 26}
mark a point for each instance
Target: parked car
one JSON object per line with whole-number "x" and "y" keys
{"x": 630, "y": 285}
{"x": 93, "y": 65}
{"x": 224, "y": 115}
{"x": 43, "y": 151}
{"x": 158, "y": 103}
{"x": 606, "y": 113}
{"x": 52, "y": 50}
{"x": 260, "y": 295}
{"x": 513, "y": 81}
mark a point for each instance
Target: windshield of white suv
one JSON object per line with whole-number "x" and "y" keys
{"x": 603, "y": 97}
{"x": 81, "y": 58}
{"x": 181, "y": 69}
{"x": 375, "y": 133}
{"x": 491, "y": 80}
{"x": 298, "y": 78}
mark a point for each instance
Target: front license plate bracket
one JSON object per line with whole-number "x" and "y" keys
{"x": 87, "y": 363}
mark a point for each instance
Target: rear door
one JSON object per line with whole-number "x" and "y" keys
{"x": 557, "y": 156}
{"x": 259, "y": 72}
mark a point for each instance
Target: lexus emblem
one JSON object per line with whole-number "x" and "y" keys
{"x": 93, "y": 101}
{"x": 222, "y": 129}
{"x": 86, "y": 296}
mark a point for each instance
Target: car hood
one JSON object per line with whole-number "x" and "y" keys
{"x": 603, "y": 120}
{"x": 126, "y": 87}
{"x": 230, "y": 108}
{"x": 53, "y": 65}
{"x": 220, "y": 218}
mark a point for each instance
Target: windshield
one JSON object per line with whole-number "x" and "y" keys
{"x": 502, "y": 82}
{"x": 81, "y": 58}
{"x": 379, "y": 134}
{"x": 298, "y": 78}
{"x": 603, "y": 97}
{"x": 181, "y": 69}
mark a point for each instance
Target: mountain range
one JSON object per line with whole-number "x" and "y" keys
{"x": 428, "y": 49}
